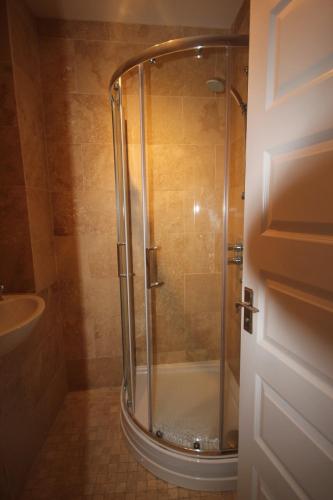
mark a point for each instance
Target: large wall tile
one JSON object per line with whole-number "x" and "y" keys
{"x": 16, "y": 265}
{"x": 88, "y": 212}
{"x": 5, "y": 55}
{"x": 94, "y": 373}
{"x": 63, "y": 213}
{"x": 166, "y": 77}
{"x": 39, "y": 213}
{"x": 11, "y": 168}
{"x": 65, "y": 167}
{"x": 97, "y": 165}
{"x": 108, "y": 337}
{"x": 197, "y": 30}
{"x": 71, "y": 259}
{"x": 44, "y": 262}
{"x": 96, "y": 213}
{"x": 7, "y": 103}
{"x": 203, "y": 210}
{"x": 143, "y": 33}
{"x": 30, "y": 118}
{"x": 24, "y": 39}
{"x": 220, "y": 165}
{"x": 84, "y": 30}
{"x": 171, "y": 255}
{"x": 77, "y": 118}
{"x": 167, "y": 213}
{"x": 166, "y": 167}
{"x": 101, "y": 256}
{"x": 200, "y": 253}
{"x": 203, "y": 332}
{"x": 164, "y": 120}
{"x": 96, "y": 62}
{"x": 13, "y": 213}
{"x": 181, "y": 167}
{"x": 58, "y": 69}
{"x": 204, "y": 120}
{"x": 16, "y": 261}
{"x": 169, "y": 333}
{"x": 202, "y": 293}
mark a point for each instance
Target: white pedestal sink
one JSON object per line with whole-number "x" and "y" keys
{"x": 18, "y": 316}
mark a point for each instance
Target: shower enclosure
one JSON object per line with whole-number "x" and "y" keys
{"x": 179, "y": 140}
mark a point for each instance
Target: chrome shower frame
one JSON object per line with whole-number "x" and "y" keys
{"x": 152, "y": 54}
{"x": 196, "y": 43}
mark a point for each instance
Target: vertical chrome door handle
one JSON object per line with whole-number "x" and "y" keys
{"x": 152, "y": 281}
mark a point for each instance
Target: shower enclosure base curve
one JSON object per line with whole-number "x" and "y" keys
{"x": 182, "y": 469}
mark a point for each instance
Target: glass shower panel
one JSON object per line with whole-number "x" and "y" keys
{"x": 235, "y": 219}
{"x": 185, "y": 130}
{"x": 123, "y": 245}
{"x": 131, "y": 106}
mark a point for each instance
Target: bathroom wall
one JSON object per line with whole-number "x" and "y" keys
{"x": 77, "y": 61}
{"x": 25, "y": 54}
{"x": 33, "y": 376}
{"x": 241, "y": 24}
{"x": 16, "y": 265}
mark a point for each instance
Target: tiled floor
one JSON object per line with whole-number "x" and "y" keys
{"x": 85, "y": 457}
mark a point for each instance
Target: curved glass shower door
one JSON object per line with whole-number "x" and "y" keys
{"x": 175, "y": 195}
{"x": 185, "y": 136}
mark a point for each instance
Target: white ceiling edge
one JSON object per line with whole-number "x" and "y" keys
{"x": 203, "y": 13}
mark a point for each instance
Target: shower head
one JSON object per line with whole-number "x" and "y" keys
{"x": 216, "y": 85}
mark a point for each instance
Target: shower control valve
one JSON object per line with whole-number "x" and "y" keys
{"x": 237, "y": 249}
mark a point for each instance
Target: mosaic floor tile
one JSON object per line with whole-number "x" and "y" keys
{"x": 85, "y": 457}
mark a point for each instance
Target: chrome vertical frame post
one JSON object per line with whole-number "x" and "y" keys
{"x": 224, "y": 250}
{"x": 115, "y": 110}
{"x": 128, "y": 275}
{"x": 146, "y": 243}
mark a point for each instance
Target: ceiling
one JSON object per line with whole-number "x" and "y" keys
{"x": 205, "y": 13}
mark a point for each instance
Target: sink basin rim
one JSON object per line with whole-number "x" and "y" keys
{"x": 38, "y": 311}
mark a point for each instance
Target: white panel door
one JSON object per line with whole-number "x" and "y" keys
{"x": 286, "y": 409}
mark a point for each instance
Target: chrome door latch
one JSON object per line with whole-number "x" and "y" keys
{"x": 249, "y": 309}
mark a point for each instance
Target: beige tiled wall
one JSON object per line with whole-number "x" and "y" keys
{"x": 32, "y": 387}
{"x": 24, "y": 42}
{"x": 32, "y": 377}
{"x": 77, "y": 61}
{"x": 16, "y": 266}
{"x": 241, "y": 24}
